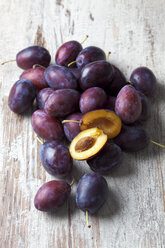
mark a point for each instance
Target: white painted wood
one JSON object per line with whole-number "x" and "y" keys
{"x": 134, "y": 215}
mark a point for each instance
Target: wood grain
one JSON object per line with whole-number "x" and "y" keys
{"x": 134, "y": 215}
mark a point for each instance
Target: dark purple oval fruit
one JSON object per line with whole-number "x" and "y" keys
{"x": 117, "y": 82}
{"x": 46, "y": 126}
{"x": 68, "y": 52}
{"x": 92, "y": 192}
{"x": 21, "y": 96}
{"x": 72, "y": 129}
{"x": 144, "y": 80}
{"x": 109, "y": 157}
{"x": 43, "y": 96}
{"x": 52, "y": 195}
{"x": 33, "y": 55}
{"x": 128, "y": 104}
{"x": 36, "y": 75}
{"x": 56, "y": 158}
{"x": 132, "y": 138}
{"x": 59, "y": 77}
{"x": 62, "y": 102}
{"x": 96, "y": 74}
{"x": 92, "y": 98}
{"x": 88, "y": 55}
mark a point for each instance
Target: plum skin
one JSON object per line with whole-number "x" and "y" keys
{"x": 68, "y": 53}
{"x": 72, "y": 129}
{"x": 88, "y": 55}
{"x": 92, "y": 98}
{"x": 132, "y": 138}
{"x": 56, "y": 159}
{"x": 144, "y": 80}
{"x": 128, "y": 104}
{"x": 109, "y": 157}
{"x": 96, "y": 74}
{"x": 91, "y": 193}
{"x": 62, "y": 102}
{"x": 21, "y": 96}
{"x": 52, "y": 195}
{"x": 32, "y": 55}
{"x": 47, "y": 127}
{"x": 36, "y": 75}
{"x": 59, "y": 77}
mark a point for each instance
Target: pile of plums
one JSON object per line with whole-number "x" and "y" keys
{"x": 88, "y": 100}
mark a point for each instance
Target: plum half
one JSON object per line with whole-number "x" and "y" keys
{"x": 87, "y": 143}
{"x": 105, "y": 120}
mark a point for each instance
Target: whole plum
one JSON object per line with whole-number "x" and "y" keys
{"x": 46, "y": 126}
{"x": 62, "y": 102}
{"x": 52, "y": 195}
{"x": 56, "y": 159}
{"x": 132, "y": 138}
{"x": 144, "y": 80}
{"x": 88, "y": 55}
{"x": 21, "y": 96}
{"x": 92, "y": 192}
{"x": 33, "y": 55}
{"x": 128, "y": 104}
{"x": 92, "y": 98}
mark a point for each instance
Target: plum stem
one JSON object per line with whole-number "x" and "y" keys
{"x": 86, "y": 37}
{"x": 11, "y": 60}
{"x": 129, "y": 82}
{"x": 37, "y": 65}
{"x": 108, "y": 56}
{"x": 66, "y": 121}
{"x": 73, "y": 62}
{"x": 163, "y": 146}
{"x": 72, "y": 182}
{"x": 87, "y": 220}
{"x": 39, "y": 139}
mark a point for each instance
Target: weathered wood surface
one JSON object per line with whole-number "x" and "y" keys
{"x": 134, "y": 215}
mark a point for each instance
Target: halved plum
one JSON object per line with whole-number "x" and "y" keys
{"x": 105, "y": 120}
{"x": 87, "y": 143}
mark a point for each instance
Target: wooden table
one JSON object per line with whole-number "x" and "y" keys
{"x": 133, "y": 217}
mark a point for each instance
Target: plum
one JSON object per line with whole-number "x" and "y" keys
{"x": 92, "y": 98}
{"x": 144, "y": 80}
{"x": 33, "y": 55}
{"x": 132, "y": 138}
{"x": 96, "y": 74}
{"x": 59, "y": 77}
{"x": 128, "y": 104}
{"x": 56, "y": 159}
{"x": 92, "y": 192}
{"x": 68, "y": 53}
{"x": 36, "y": 75}
{"x": 87, "y": 143}
{"x": 62, "y": 102}
{"x": 21, "y": 96}
{"x": 46, "y": 126}
{"x": 88, "y": 55}
{"x": 52, "y": 195}
{"x": 109, "y": 157}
